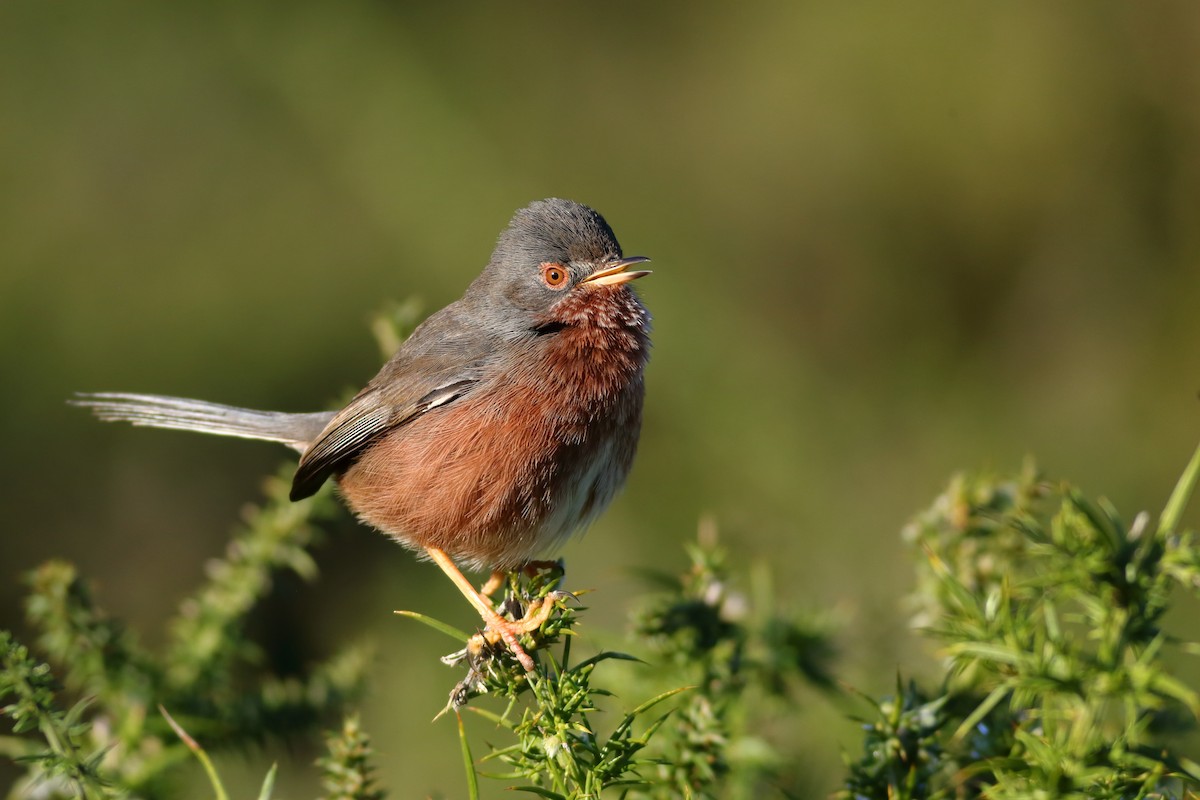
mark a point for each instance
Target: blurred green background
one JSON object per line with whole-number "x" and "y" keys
{"x": 890, "y": 241}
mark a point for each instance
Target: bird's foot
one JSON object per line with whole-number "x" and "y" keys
{"x": 499, "y": 629}
{"x": 525, "y": 620}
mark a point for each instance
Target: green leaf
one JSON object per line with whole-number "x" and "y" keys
{"x": 540, "y": 792}
{"x": 205, "y": 761}
{"x": 981, "y": 711}
{"x": 1169, "y": 520}
{"x": 468, "y": 761}
{"x": 437, "y": 625}
{"x": 1102, "y": 519}
{"x": 607, "y": 655}
{"x": 985, "y": 651}
{"x": 1172, "y": 687}
{"x": 268, "y": 783}
{"x": 653, "y": 701}
{"x": 491, "y": 716}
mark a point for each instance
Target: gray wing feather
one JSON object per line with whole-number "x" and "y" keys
{"x": 443, "y": 359}
{"x": 367, "y": 417}
{"x": 353, "y": 428}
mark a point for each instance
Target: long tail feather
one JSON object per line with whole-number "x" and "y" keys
{"x": 182, "y": 414}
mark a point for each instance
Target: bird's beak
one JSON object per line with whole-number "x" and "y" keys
{"x": 614, "y": 272}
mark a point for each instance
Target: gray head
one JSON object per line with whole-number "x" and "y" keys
{"x": 550, "y": 250}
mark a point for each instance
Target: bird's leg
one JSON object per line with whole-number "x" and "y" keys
{"x": 493, "y": 622}
{"x": 493, "y": 583}
{"x": 536, "y": 615}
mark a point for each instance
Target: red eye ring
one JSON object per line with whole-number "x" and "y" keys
{"x": 554, "y": 275}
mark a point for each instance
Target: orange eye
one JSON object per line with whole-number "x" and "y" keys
{"x": 554, "y": 275}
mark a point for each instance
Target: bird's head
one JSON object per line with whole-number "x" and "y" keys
{"x": 558, "y": 261}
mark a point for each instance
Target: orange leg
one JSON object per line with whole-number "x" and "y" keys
{"x": 493, "y": 583}
{"x": 493, "y": 622}
{"x": 536, "y": 615}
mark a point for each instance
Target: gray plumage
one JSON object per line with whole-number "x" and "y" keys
{"x": 297, "y": 431}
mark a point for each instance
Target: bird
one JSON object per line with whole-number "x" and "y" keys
{"x": 506, "y": 422}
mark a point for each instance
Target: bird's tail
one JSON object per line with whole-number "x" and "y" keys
{"x": 177, "y": 413}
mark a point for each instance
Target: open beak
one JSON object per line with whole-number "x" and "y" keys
{"x": 614, "y": 273}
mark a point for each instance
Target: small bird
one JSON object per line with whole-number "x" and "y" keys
{"x": 506, "y": 422}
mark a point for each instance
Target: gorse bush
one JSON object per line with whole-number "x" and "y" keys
{"x": 1048, "y": 609}
{"x": 111, "y": 740}
{"x": 700, "y": 649}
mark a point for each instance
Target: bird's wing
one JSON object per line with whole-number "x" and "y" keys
{"x": 444, "y": 359}
{"x": 375, "y": 411}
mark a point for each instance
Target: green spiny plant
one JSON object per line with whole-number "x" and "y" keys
{"x": 704, "y": 642}
{"x": 708, "y": 629}
{"x": 558, "y": 752}
{"x": 113, "y": 741}
{"x": 1050, "y": 610}
{"x": 347, "y": 772}
{"x": 63, "y": 762}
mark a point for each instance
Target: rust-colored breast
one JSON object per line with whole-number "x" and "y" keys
{"x": 506, "y": 473}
